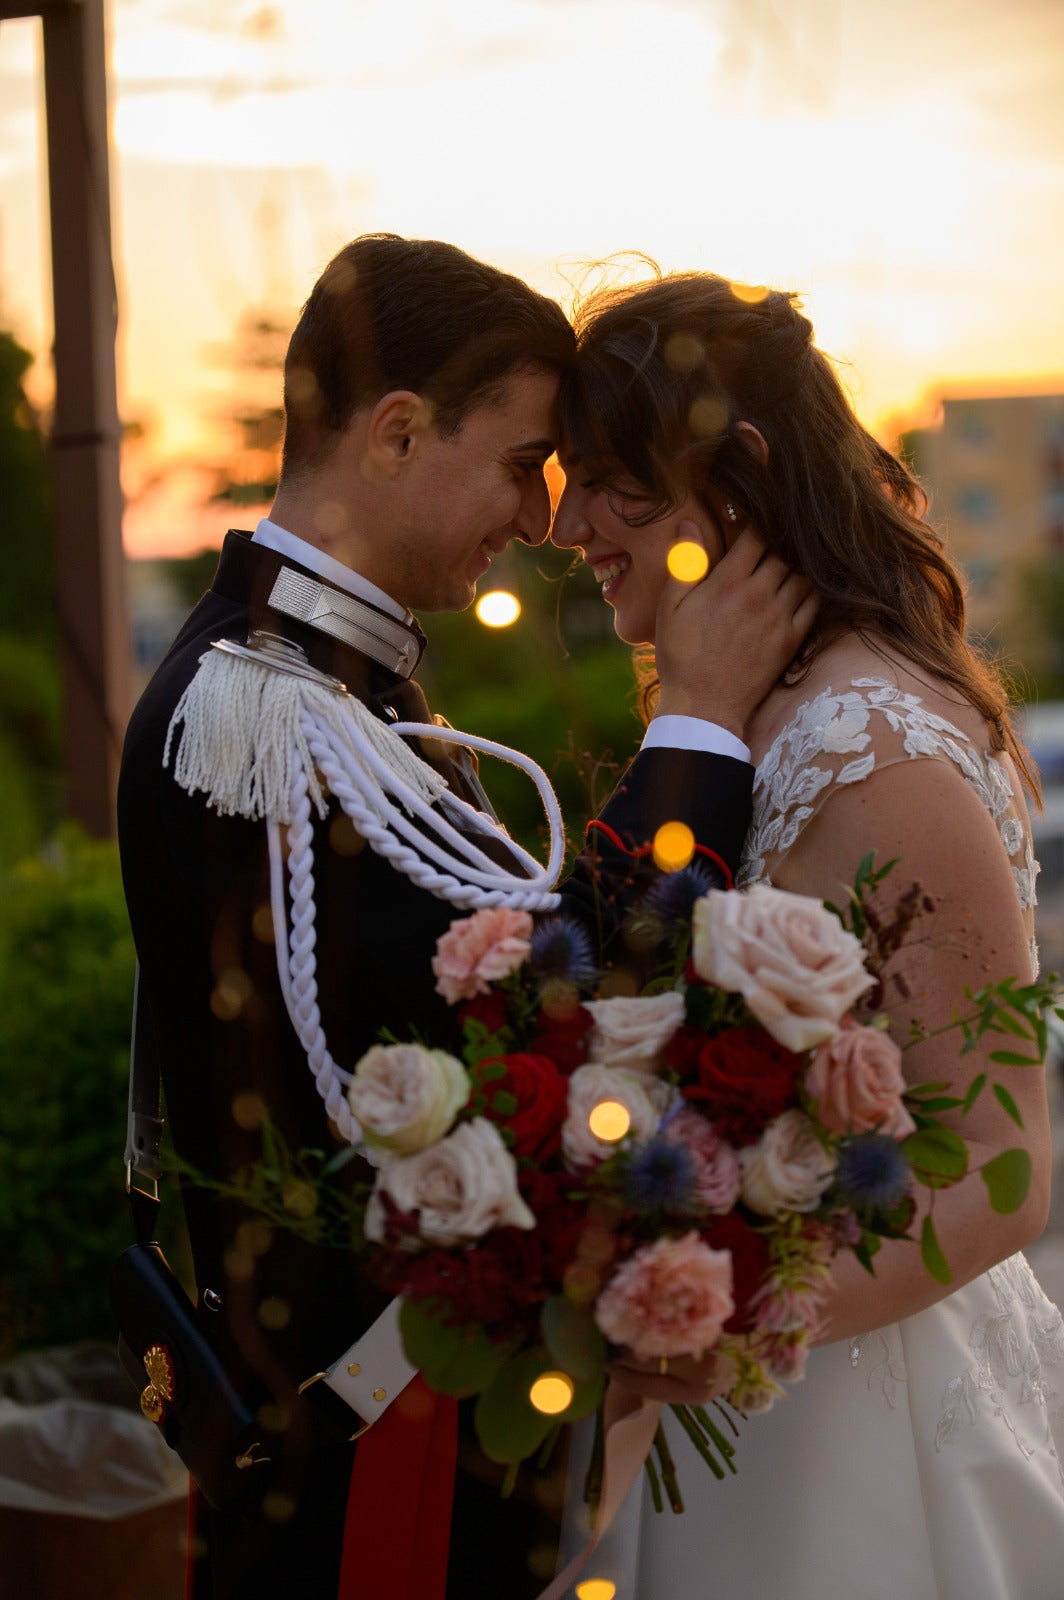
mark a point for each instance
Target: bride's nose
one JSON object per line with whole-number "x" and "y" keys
{"x": 569, "y": 527}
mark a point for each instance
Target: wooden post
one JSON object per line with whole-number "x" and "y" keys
{"x": 90, "y": 566}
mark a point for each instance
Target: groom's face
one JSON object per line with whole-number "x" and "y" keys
{"x": 468, "y": 495}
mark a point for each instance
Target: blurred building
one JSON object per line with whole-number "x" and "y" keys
{"x": 995, "y": 471}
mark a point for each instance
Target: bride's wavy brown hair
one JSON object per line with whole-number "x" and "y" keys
{"x": 665, "y": 371}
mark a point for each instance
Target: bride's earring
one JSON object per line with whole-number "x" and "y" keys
{"x": 730, "y": 512}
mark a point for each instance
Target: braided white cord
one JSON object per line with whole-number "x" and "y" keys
{"x": 358, "y": 779}
{"x": 299, "y": 980}
{"x": 469, "y": 876}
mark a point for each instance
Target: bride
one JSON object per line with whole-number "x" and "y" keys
{"x": 920, "y": 1459}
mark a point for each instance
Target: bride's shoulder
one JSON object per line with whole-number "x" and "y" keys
{"x": 860, "y": 691}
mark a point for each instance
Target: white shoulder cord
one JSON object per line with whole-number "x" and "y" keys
{"x": 251, "y": 721}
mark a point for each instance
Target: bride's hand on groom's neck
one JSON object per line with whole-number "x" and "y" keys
{"x": 722, "y": 643}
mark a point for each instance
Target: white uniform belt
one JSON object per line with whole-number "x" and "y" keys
{"x": 370, "y": 1374}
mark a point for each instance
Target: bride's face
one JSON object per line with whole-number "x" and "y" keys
{"x": 630, "y": 563}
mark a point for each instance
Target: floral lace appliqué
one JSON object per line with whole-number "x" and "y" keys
{"x": 1018, "y": 1350}
{"x": 794, "y": 775}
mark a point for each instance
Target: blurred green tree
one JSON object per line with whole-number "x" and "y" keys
{"x": 30, "y": 692}
{"x": 66, "y": 978}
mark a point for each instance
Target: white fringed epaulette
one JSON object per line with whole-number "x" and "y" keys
{"x": 242, "y": 735}
{"x": 263, "y": 735}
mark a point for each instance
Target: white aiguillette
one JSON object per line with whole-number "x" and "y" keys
{"x": 264, "y": 735}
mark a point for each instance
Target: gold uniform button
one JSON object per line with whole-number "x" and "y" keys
{"x": 380, "y": 1394}
{"x": 354, "y": 1369}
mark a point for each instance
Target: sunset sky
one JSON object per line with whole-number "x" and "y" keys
{"x": 901, "y": 164}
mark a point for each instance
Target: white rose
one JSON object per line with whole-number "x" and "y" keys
{"x": 793, "y": 962}
{"x": 406, "y": 1097}
{"x": 645, "y": 1098}
{"x": 462, "y": 1188}
{"x": 632, "y": 1031}
{"x": 788, "y": 1169}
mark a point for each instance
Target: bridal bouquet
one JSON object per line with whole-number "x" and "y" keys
{"x": 666, "y": 1167}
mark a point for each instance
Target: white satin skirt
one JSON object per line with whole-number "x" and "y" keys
{"x": 924, "y": 1461}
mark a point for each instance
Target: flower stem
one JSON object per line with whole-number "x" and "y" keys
{"x": 668, "y": 1470}
{"x": 593, "y": 1477}
{"x": 698, "y": 1439}
{"x": 655, "y": 1483}
{"x": 709, "y": 1427}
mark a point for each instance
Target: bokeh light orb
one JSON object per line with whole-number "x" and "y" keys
{"x": 498, "y": 608}
{"x": 551, "y": 1392}
{"x": 609, "y": 1121}
{"x": 674, "y": 845}
{"x": 688, "y": 561}
{"x": 596, "y": 1589}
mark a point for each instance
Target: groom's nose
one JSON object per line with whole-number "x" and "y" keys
{"x": 532, "y": 522}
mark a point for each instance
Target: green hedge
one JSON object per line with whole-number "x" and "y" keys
{"x": 66, "y": 982}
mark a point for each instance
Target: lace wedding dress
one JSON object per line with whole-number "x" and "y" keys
{"x": 922, "y": 1461}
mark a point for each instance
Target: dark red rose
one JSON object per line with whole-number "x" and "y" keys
{"x": 541, "y": 1093}
{"x": 745, "y": 1079}
{"x": 490, "y": 1009}
{"x": 563, "y": 1035}
{"x": 750, "y": 1261}
{"x": 683, "y": 1051}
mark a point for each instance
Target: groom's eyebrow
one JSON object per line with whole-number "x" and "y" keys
{"x": 532, "y": 447}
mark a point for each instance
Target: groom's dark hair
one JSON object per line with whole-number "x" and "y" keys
{"x": 390, "y": 313}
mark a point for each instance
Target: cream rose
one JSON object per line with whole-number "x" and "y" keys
{"x": 632, "y": 1031}
{"x": 856, "y": 1083}
{"x": 406, "y": 1097}
{"x": 645, "y": 1098}
{"x": 788, "y": 1169}
{"x": 462, "y": 1187}
{"x": 794, "y": 964}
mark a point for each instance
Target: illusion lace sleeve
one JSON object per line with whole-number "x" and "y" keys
{"x": 842, "y": 737}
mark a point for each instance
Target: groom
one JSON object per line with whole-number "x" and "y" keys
{"x": 420, "y": 392}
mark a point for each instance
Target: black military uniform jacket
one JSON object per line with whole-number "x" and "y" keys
{"x": 197, "y": 886}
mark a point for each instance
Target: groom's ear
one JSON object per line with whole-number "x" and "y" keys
{"x": 394, "y": 429}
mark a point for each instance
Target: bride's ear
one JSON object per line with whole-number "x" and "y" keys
{"x": 753, "y": 440}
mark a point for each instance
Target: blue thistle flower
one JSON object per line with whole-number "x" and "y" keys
{"x": 562, "y": 948}
{"x": 872, "y": 1174}
{"x": 658, "y": 1176}
{"x": 672, "y": 895}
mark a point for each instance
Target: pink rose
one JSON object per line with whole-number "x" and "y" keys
{"x": 717, "y": 1171}
{"x": 788, "y": 1169}
{"x": 793, "y": 962}
{"x": 476, "y": 951}
{"x": 856, "y": 1083}
{"x": 671, "y": 1298}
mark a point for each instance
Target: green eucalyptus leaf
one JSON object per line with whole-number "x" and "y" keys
{"x": 1005, "y": 1099}
{"x": 1009, "y": 1058}
{"x": 1007, "y": 1179}
{"x": 572, "y": 1336}
{"x": 938, "y": 1156}
{"x": 427, "y": 1339}
{"x": 507, "y": 1423}
{"x": 975, "y": 1089}
{"x": 931, "y": 1252}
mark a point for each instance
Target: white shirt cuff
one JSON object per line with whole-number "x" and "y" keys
{"x": 674, "y": 732}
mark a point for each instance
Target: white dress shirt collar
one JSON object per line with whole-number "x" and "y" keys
{"x": 326, "y": 567}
